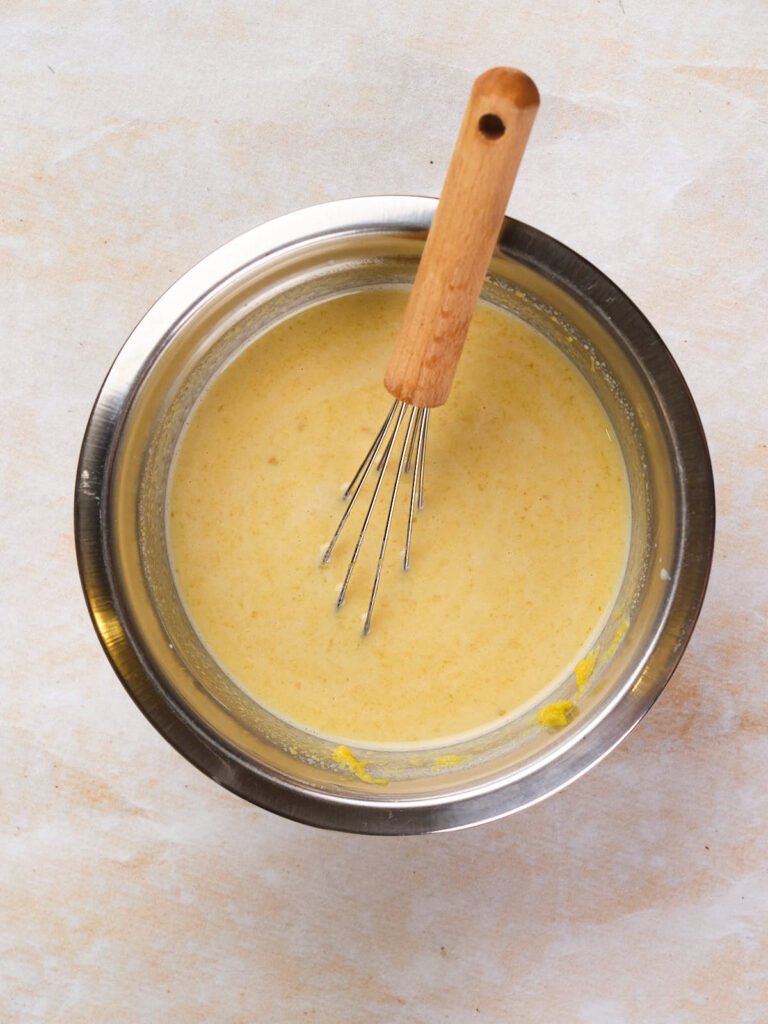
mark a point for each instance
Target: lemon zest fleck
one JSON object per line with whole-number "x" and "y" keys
{"x": 617, "y": 638}
{"x": 585, "y": 668}
{"x": 555, "y": 715}
{"x": 344, "y": 756}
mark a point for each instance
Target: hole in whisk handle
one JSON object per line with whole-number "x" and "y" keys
{"x": 491, "y": 126}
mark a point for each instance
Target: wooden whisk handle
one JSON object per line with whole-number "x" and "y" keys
{"x": 466, "y": 226}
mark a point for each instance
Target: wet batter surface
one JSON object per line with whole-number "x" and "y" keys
{"x": 515, "y": 560}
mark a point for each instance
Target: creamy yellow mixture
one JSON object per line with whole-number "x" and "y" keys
{"x": 516, "y": 557}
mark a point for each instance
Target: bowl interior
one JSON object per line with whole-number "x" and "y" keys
{"x": 288, "y": 769}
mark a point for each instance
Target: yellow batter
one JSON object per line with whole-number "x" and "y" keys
{"x": 515, "y": 560}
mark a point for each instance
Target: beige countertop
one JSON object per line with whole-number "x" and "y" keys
{"x": 136, "y": 139}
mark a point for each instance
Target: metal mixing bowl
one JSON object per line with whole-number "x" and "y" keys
{"x": 221, "y": 305}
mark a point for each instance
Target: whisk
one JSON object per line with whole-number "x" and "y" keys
{"x": 458, "y": 250}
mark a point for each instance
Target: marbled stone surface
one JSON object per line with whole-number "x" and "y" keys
{"x": 137, "y": 137}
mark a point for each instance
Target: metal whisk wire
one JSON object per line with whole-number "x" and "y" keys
{"x": 415, "y": 438}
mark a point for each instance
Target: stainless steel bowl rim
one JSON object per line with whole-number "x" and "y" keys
{"x": 410, "y": 215}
